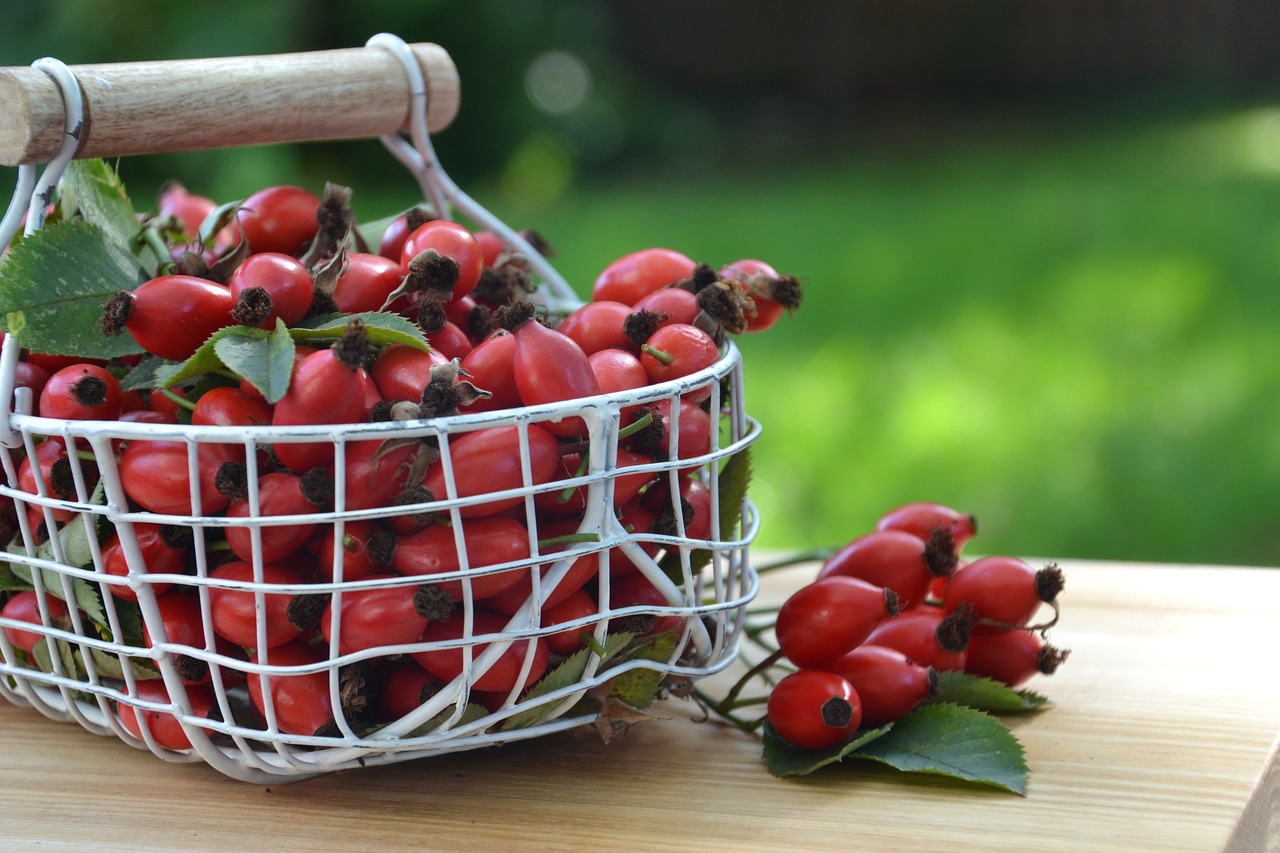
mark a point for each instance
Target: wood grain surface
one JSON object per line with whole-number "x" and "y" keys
{"x": 1162, "y": 737}
{"x": 190, "y": 104}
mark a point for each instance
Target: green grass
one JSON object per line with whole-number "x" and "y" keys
{"x": 1071, "y": 335}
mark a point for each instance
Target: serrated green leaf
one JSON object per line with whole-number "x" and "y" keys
{"x": 470, "y": 714}
{"x": 954, "y": 741}
{"x": 384, "y": 328}
{"x": 55, "y": 285}
{"x": 638, "y": 687}
{"x": 204, "y": 359}
{"x": 143, "y": 375}
{"x": 568, "y": 673}
{"x": 99, "y": 194}
{"x": 109, "y": 665}
{"x": 985, "y": 694}
{"x": 265, "y": 361}
{"x": 71, "y": 664}
{"x": 783, "y": 759}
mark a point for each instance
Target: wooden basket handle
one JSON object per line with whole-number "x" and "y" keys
{"x": 191, "y": 104}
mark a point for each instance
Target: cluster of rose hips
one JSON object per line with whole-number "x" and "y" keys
{"x": 286, "y": 255}
{"x": 894, "y": 607}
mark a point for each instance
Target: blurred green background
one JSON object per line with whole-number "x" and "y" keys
{"x": 1040, "y": 241}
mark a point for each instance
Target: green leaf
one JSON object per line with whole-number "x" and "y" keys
{"x": 98, "y": 193}
{"x": 953, "y": 741}
{"x": 109, "y": 665}
{"x": 470, "y": 714}
{"x": 568, "y": 673}
{"x": 262, "y": 356}
{"x": 384, "y": 328}
{"x": 264, "y": 360}
{"x": 638, "y": 687}
{"x": 54, "y": 287}
{"x": 71, "y": 663}
{"x": 143, "y": 375}
{"x": 783, "y": 759}
{"x": 985, "y": 694}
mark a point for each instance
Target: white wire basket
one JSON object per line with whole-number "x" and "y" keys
{"x": 110, "y": 655}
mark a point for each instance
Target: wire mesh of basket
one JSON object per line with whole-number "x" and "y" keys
{"x": 288, "y": 661}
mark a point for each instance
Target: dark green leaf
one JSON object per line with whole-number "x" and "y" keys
{"x": 265, "y": 360}
{"x": 568, "y": 673}
{"x": 783, "y": 759}
{"x": 217, "y": 219}
{"x": 985, "y": 694}
{"x": 109, "y": 665}
{"x": 953, "y": 741}
{"x": 470, "y": 714}
{"x": 54, "y": 287}
{"x": 384, "y": 328}
{"x": 205, "y": 358}
{"x": 638, "y": 687}
{"x": 143, "y": 375}
{"x": 97, "y": 192}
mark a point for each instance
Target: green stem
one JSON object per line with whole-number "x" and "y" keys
{"x": 796, "y": 559}
{"x": 568, "y": 539}
{"x": 177, "y": 399}
{"x": 635, "y": 426}
{"x": 708, "y": 702}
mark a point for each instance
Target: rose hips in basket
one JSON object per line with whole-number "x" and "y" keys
{"x": 461, "y": 651}
{"x": 549, "y": 367}
{"x": 279, "y": 219}
{"x": 268, "y": 286}
{"x": 489, "y": 541}
{"x": 155, "y": 476}
{"x": 812, "y": 709}
{"x": 161, "y": 548}
{"x": 279, "y": 493}
{"x": 81, "y": 392}
{"x": 284, "y": 615}
{"x": 383, "y": 616}
{"x": 24, "y": 606}
{"x": 489, "y": 461}
{"x": 677, "y": 350}
{"x": 163, "y": 726}
{"x": 452, "y": 241}
{"x": 170, "y": 316}
{"x": 300, "y": 694}
{"x": 633, "y": 276}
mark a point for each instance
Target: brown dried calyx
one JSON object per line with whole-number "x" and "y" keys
{"x": 317, "y": 487}
{"x": 336, "y": 221}
{"x": 940, "y": 552}
{"x": 1050, "y": 582}
{"x": 252, "y": 306}
{"x": 955, "y": 628}
{"x": 501, "y": 284}
{"x": 232, "y": 481}
{"x": 116, "y": 313}
{"x": 353, "y": 348}
{"x": 432, "y": 603}
{"x": 640, "y": 325}
{"x": 1050, "y": 658}
{"x": 514, "y": 315}
{"x": 723, "y": 307}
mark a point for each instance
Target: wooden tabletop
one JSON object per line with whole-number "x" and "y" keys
{"x": 1163, "y": 736}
